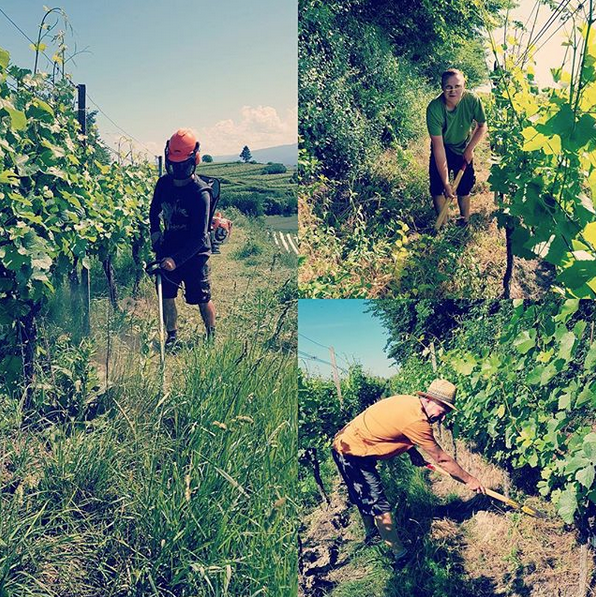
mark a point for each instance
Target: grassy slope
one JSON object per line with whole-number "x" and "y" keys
{"x": 471, "y": 262}
{"x": 237, "y": 179}
{"x": 359, "y": 258}
{"x": 237, "y": 176}
{"x": 463, "y": 546}
{"x": 186, "y": 491}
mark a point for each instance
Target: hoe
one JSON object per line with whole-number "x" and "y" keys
{"x": 443, "y": 215}
{"x": 495, "y": 495}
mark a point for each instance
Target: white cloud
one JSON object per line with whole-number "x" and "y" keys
{"x": 258, "y": 127}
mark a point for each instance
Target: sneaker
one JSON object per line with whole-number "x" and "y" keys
{"x": 462, "y": 223}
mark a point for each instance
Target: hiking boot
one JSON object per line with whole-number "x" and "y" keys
{"x": 400, "y": 559}
{"x": 172, "y": 340}
{"x": 461, "y": 223}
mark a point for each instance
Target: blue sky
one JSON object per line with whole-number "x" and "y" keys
{"x": 226, "y": 69}
{"x": 356, "y": 336}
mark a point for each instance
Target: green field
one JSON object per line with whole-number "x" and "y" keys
{"x": 245, "y": 187}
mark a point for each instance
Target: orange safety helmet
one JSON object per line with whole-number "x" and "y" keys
{"x": 182, "y": 154}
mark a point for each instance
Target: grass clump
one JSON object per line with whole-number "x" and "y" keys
{"x": 251, "y": 248}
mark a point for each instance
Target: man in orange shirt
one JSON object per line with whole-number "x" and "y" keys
{"x": 386, "y": 429}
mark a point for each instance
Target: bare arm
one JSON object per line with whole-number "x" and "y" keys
{"x": 440, "y": 157}
{"x": 457, "y": 472}
{"x": 479, "y": 133}
{"x": 441, "y": 162}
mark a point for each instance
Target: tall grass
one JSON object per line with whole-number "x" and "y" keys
{"x": 186, "y": 491}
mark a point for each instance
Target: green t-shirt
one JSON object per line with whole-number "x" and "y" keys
{"x": 454, "y": 126}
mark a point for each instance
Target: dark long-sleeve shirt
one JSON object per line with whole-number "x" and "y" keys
{"x": 185, "y": 214}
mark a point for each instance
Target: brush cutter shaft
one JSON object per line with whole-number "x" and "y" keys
{"x": 162, "y": 334}
{"x": 443, "y": 215}
{"x": 154, "y": 269}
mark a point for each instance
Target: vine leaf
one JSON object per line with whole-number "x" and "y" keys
{"x": 569, "y": 307}
{"x": 567, "y": 504}
{"x": 525, "y": 341}
{"x": 585, "y": 476}
{"x": 567, "y": 344}
{"x": 4, "y": 58}
{"x": 18, "y": 120}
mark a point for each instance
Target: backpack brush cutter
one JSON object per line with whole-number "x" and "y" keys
{"x": 495, "y": 495}
{"x": 220, "y": 231}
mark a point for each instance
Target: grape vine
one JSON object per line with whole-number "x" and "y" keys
{"x": 544, "y": 176}
{"x": 59, "y": 204}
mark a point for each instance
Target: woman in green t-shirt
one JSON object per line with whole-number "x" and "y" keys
{"x": 449, "y": 118}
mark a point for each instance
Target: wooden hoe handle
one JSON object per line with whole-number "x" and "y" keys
{"x": 443, "y": 215}
{"x": 493, "y": 494}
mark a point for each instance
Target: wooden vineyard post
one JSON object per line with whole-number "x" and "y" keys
{"x": 442, "y": 431}
{"x": 509, "y": 262}
{"x": 583, "y": 570}
{"x": 86, "y": 289}
{"x": 336, "y": 375}
{"x": 433, "y": 357}
{"x": 433, "y": 362}
{"x": 81, "y": 113}
{"x": 85, "y": 278}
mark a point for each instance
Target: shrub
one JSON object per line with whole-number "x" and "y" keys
{"x": 207, "y": 158}
{"x": 274, "y": 169}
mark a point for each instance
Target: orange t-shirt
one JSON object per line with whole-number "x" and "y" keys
{"x": 386, "y": 429}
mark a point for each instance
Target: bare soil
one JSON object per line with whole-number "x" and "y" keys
{"x": 499, "y": 552}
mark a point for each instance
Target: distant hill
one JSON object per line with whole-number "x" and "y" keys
{"x": 283, "y": 154}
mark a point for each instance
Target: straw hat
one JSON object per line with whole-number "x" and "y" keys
{"x": 441, "y": 390}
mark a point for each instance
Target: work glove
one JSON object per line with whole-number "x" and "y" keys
{"x": 156, "y": 241}
{"x": 168, "y": 264}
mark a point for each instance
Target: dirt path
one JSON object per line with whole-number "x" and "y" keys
{"x": 465, "y": 546}
{"x": 236, "y": 284}
{"x": 466, "y": 262}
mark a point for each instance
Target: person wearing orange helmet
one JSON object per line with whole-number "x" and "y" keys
{"x": 181, "y": 205}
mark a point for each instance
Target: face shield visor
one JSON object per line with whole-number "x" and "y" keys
{"x": 181, "y": 170}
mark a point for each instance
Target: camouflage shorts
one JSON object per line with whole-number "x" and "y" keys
{"x": 365, "y": 487}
